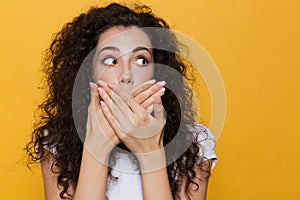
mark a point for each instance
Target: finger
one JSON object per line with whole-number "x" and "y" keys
{"x": 146, "y": 104}
{"x": 94, "y": 96}
{"x": 125, "y": 95}
{"x": 133, "y": 105}
{"x": 143, "y": 87}
{"x": 102, "y": 83}
{"x": 158, "y": 110}
{"x": 111, "y": 89}
{"x": 150, "y": 109}
{"x": 119, "y": 96}
{"x": 144, "y": 95}
{"x": 127, "y": 98}
{"x": 111, "y": 120}
{"x": 111, "y": 104}
{"x": 137, "y": 109}
{"x": 133, "y": 108}
{"x": 105, "y": 126}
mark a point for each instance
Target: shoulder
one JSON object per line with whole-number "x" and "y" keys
{"x": 43, "y": 148}
{"x": 206, "y": 142}
{"x": 202, "y": 133}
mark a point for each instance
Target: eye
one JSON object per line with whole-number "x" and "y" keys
{"x": 141, "y": 61}
{"x": 110, "y": 61}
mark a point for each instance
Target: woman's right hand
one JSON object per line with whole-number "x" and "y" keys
{"x": 145, "y": 94}
{"x": 100, "y": 137}
{"x": 148, "y": 93}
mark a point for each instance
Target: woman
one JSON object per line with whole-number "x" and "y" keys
{"x": 119, "y": 107}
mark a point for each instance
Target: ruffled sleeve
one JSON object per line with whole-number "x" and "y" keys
{"x": 51, "y": 149}
{"x": 207, "y": 143}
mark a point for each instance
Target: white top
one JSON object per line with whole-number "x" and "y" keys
{"x": 128, "y": 186}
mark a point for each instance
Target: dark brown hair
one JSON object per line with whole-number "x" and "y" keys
{"x": 67, "y": 52}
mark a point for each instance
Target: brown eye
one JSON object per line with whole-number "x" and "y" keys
{"x": 141, "y": 61}
{"x": 110, "y": 61}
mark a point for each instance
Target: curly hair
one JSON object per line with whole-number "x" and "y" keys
{"x": 55, "y": 126}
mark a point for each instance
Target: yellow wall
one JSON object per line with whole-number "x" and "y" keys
{"x": 255, "y": 44}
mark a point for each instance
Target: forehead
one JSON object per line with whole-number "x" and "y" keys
{"x": 124, "y": 38}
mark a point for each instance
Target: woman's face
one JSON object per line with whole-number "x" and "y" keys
{"x": 124, "y": 57}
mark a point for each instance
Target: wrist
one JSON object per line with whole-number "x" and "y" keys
{"x": 98, "y": 152}
{"x": 150, "y": 162}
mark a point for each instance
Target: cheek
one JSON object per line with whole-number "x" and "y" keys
{"x": 108, "y": 77}
{"x": 105, "y": 74}
{"x": 101, "y": 71}
{"x": 143, "y": 75}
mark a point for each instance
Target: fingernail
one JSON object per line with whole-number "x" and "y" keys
{"x": 101, "y": 91}
{"x": 93, "y": 85}
{"x": 102, "y": 104}
{"x": 151, "y": 82}
{"x": 161, "y": 91}
{"x": 161, "y": 83}
{"x": 102, "y": 83}
{"x": 111, "y": 85}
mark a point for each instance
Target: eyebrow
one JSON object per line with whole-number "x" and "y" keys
{"x": 140, "y": 49}
{"x": 113, "y": 48}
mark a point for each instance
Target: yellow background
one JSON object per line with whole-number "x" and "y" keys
{"x": 256, "y": 46}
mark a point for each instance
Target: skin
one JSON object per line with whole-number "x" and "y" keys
{"x": 127, "y": 95}
{"x": 123, "y": 56}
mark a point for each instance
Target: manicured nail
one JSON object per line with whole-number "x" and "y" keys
{"x": 102, "y": 83}
{"x": 102, "y": 104}
{"x": 151, "y": 82}
{"x": 93, "y": 85}
{"x": 162, "y": 83}
{"x": 161, "y": 91}
{"x": 101, "y": 91}
{"x": 111, "y": 85}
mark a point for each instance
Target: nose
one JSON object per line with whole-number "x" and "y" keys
{"x": 126, "y": 77}
{"x": 125, "y": 80}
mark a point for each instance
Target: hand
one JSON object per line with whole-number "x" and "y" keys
{"x": 100, "y": 137}
{"x": 146, "y": 94}
{"x": 135, "y": 127}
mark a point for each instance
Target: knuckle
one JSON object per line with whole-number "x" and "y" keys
{"x": 143, "y": 119}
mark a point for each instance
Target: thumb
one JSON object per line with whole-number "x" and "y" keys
{"x": 158, "y": 109}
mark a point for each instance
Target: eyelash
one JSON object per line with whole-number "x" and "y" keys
{"x": 110, "y": 57}
{"x": 115, "y": 60}
{"x": 142, "y": 57}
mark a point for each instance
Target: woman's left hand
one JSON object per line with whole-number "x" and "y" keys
{"x": 137, "y": 129}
